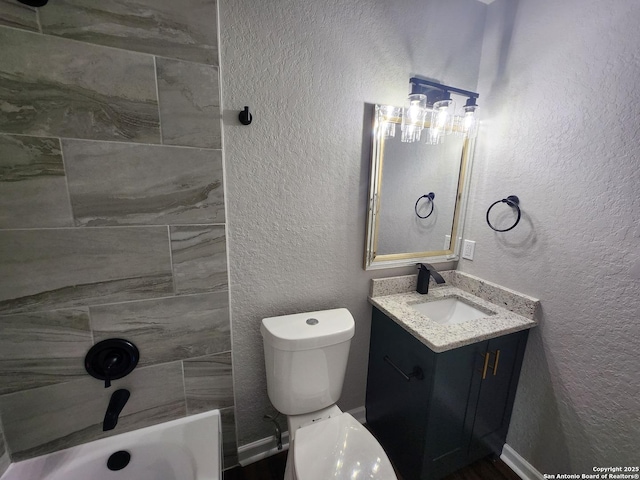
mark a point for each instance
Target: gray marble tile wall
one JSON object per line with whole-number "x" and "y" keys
{"x": 184, "y": 30}
{"x": 18, "y": 15}
{"x": 185, "y": 104}
{"x": 112, "y": 218}
{"x": 72, "y": 89}
{"x": 33, "y": 189}
{"x": 127, "y": 184}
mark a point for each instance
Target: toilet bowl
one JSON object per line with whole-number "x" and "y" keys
{"x": 339, "y": 447}
{"x": 306, "y": 359}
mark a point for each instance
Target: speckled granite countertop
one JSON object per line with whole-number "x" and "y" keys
{"x": 507, "y": 311}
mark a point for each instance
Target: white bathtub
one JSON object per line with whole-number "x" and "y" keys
{"x": 184, "y": 449}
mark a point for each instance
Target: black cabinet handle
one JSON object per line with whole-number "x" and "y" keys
{"x": 416, "y": 373}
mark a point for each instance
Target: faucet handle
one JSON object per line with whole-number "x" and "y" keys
{"x": 426, "y": 271}
{"x": 109, "y": 364}
{"x": 111, "y": 359}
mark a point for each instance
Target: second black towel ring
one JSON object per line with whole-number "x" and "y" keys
{"x": 513, "y": 202}
{"x": 430, "y": 196}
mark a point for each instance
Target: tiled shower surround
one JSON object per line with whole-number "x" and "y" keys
{"x": 112, "y": 218}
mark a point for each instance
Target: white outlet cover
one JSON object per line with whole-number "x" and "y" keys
{"x": 468, "y": 249}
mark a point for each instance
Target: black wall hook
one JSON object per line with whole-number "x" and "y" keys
{"x": 245, "y": 117}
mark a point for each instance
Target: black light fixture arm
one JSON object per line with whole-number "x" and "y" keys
{"x": 437, "y": 91}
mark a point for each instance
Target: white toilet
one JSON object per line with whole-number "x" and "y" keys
{"x": 306, "y": 358}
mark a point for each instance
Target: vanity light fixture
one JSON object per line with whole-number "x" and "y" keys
{"x": 427, "y": 95}
{"x": 414, "y": 114}
{"x": 470, "y": 118}
{"x": 388, "y": 116}
{"x": 442, "y": 119}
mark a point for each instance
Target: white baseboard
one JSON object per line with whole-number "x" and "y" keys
{"x": 265, "y": 447}
{"x": 519, "y": 465}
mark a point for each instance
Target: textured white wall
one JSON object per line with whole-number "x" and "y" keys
{"x": 559, "y": 87}
{"x": 297, "y": 177}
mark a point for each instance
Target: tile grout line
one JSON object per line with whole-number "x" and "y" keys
{"x": 227, "y": 233}
{"x": 173, "y": 273}
{"x": 120, "y": 142}
{"x": 84, "y": 377}
{"x": 184, "y": 388}
{"x": 140, "y": 300}
{"x": 87, "y": 228}
{"x": 100, "y": 45}
{"x": 66, "y": 183}
{"x": 39, "y": 22}
{"x": 155, "y": 76}
{"x": 231, "y": 451}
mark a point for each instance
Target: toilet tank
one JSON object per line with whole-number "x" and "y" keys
{"x": 306, "y": 358}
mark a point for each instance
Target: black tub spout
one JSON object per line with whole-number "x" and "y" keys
{"x": 118, "y": 400}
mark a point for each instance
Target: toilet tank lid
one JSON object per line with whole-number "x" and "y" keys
{"x": 304, "y": 331}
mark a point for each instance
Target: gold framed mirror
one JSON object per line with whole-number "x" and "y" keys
{"x": 417, "y": 196}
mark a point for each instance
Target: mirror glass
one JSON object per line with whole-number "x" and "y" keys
{"x": 416, "y": 196}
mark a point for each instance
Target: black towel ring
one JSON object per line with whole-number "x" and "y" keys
{"x": 430, "y": 196}
{"x": 513, "y": 202}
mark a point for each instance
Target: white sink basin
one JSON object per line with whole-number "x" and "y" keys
{"x": 449, "y": 311}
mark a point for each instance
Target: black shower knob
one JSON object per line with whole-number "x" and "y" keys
{"x": 111, "y": 359}
{"x": 34, "y": 3}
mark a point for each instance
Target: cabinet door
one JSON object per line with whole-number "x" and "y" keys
{"x": 498, "y": 384}
{"x": 451, "y": 408}
{"x": 397, "y": 409}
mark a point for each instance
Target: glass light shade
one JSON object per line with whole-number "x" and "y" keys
{"x": 470, "y": 121}
{"x": 458, "y": 126}
{"x": 413, "y": 116}
{"x": 387, "y": 115}
{"x": 442, "y": 119}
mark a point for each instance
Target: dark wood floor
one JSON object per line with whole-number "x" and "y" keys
{"x": 272, "y": 468}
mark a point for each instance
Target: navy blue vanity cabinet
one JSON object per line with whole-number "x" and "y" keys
{"x": 497, "y": 391}
{"x": 432, "y": 412}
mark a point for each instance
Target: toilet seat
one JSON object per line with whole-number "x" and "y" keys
{"x": 339, "y": 448}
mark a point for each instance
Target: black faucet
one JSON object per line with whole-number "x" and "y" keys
{"x": 424, "y": 273}
{"x": 118, "y": 400}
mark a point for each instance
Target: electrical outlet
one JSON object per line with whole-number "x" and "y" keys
{"x": 468, "y": 248}
{"x": 447, "y": 242}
